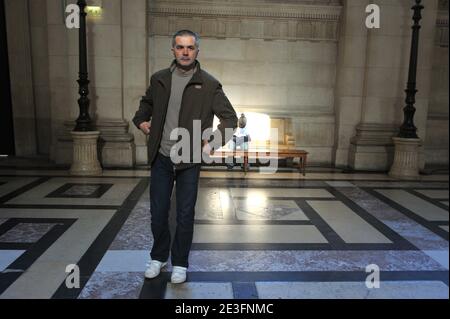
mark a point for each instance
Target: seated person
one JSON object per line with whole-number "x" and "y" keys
{"x": 240, "y": 140}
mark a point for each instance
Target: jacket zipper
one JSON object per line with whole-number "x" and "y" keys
{"x": 164, "y": 117}
{"x": 181, "y": 109}
{"x": 162, "y": 128}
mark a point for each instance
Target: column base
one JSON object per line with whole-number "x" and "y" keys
{"x": 85, "y": 160}
{"x": 371, "y": 149}
{"x": 406, "y": 159}
{"x": 116, "y": 145}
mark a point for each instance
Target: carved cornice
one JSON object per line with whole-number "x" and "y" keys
{"x": 250, "y": 19}
{"x": 442, "y": 29}
{"x": 443, "y": 5}
{"x": 442, "y": 19}
{"x": 248, "y": 10}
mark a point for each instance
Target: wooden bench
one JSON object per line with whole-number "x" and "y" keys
{"x": 265, "y": 154}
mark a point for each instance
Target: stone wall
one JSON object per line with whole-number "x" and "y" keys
{"x": 436, "y": 143}
{"x": 386, "y": 63}
{"x": 274, "y": 59}
{"x": 330, "y": 85}
{"x": 21, "y": 76}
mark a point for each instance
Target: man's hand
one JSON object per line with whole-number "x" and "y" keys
{"x": 145, "y": 127}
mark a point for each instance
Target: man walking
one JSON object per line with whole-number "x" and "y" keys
{"x": 178, "y": 96}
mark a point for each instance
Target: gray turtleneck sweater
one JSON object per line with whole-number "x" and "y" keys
{"x": 180, "y": 79}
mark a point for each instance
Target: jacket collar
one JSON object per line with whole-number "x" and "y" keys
{"x": 166, "y": 75}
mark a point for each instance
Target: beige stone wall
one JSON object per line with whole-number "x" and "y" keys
{"x": 385, "y": 78}
{"x": 40, "y": 72}
{"x": 436, "y": 142}
{"x": 20, "y": 65}
{"x": 117, "y": 68}
{"x": 330, "y": 85}
{"x": 282, "y": 64}
{"x": 351, "y": 71}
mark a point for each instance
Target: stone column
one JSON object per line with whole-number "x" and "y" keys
{"x": 135, "y": 77}
{"x": 117, "y": 63}
{"x": 350, "y": 76}
{"x": 436, "y": 143}
{"x": 387, "y": 62}
{"x": 406, "y": 159}
{"x": 116, "y": 147}
{"x": 85, "y": 162}
{"x": 21, "y": 76}
{"x": 406, "y": 165}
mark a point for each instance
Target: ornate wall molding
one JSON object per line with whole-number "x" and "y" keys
{"x": 442, "y": 24}
{"x": 443, "y": 5}
{"x": 254, "y": 19}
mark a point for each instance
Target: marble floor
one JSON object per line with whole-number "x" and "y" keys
{"x": 267, "y": 236}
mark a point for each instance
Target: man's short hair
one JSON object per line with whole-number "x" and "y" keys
{"x": 186, "y": 32}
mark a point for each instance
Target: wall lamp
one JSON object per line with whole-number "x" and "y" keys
{"x": 94, "y": 8}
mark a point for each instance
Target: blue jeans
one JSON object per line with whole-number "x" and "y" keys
{"x": 163, "y": 175}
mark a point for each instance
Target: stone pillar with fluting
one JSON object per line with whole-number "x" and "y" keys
{"x": 406, "y": 156}
{"x": 85, "y": 162}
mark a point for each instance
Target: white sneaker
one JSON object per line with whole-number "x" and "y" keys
{"x": 154, "y": 268}
{"x": 178, "y": 275}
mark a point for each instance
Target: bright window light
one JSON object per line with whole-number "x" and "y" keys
{"x": 258, "y": 125}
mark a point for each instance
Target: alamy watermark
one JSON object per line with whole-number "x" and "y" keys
{"x": 373, "y": 19}
{"x": 73, "y": 277}
{"x": 373, "y": 279}
{"x": 73, "y": 17}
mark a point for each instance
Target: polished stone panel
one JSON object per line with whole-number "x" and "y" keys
{"x": 257, "y": 234}
{"x": 135, "y": 233}
{"x": 268, "y": 260}
{"x": 412, "y": 231}
{"x": 352, "y": 290}
{"x": 26, "y": 233}
{"x": 199, "y": 290}
{"x": 310, "y": 176}
{"x": 230, "y": 211}
{"x": 441, "y": 256}
{"x": 113, "y": 285}
{"x": 114, "y": 196}
{"x": 255, "y": 193}
{"x": 124, "y": 261}
{"x": 400, "y": 184}
{"x": 272, "y": 183}
{"x": 10, "y": 184}
{"x": 415, "y": 204}
{"x": 340, "y": 184}
{"x": 48, "y": 271}
{"x": 8, "y": 256}
{"x": 268, "y": 210}
{"x": 86, "y": 190}
{"x": 209, "y": 203}
{"x": 311, "y": 260}
{"x": 346, "y": 223}
{"x": 434, "y": 193}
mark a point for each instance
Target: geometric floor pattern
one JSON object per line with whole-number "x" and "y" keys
{"x": 278, "y": 236}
